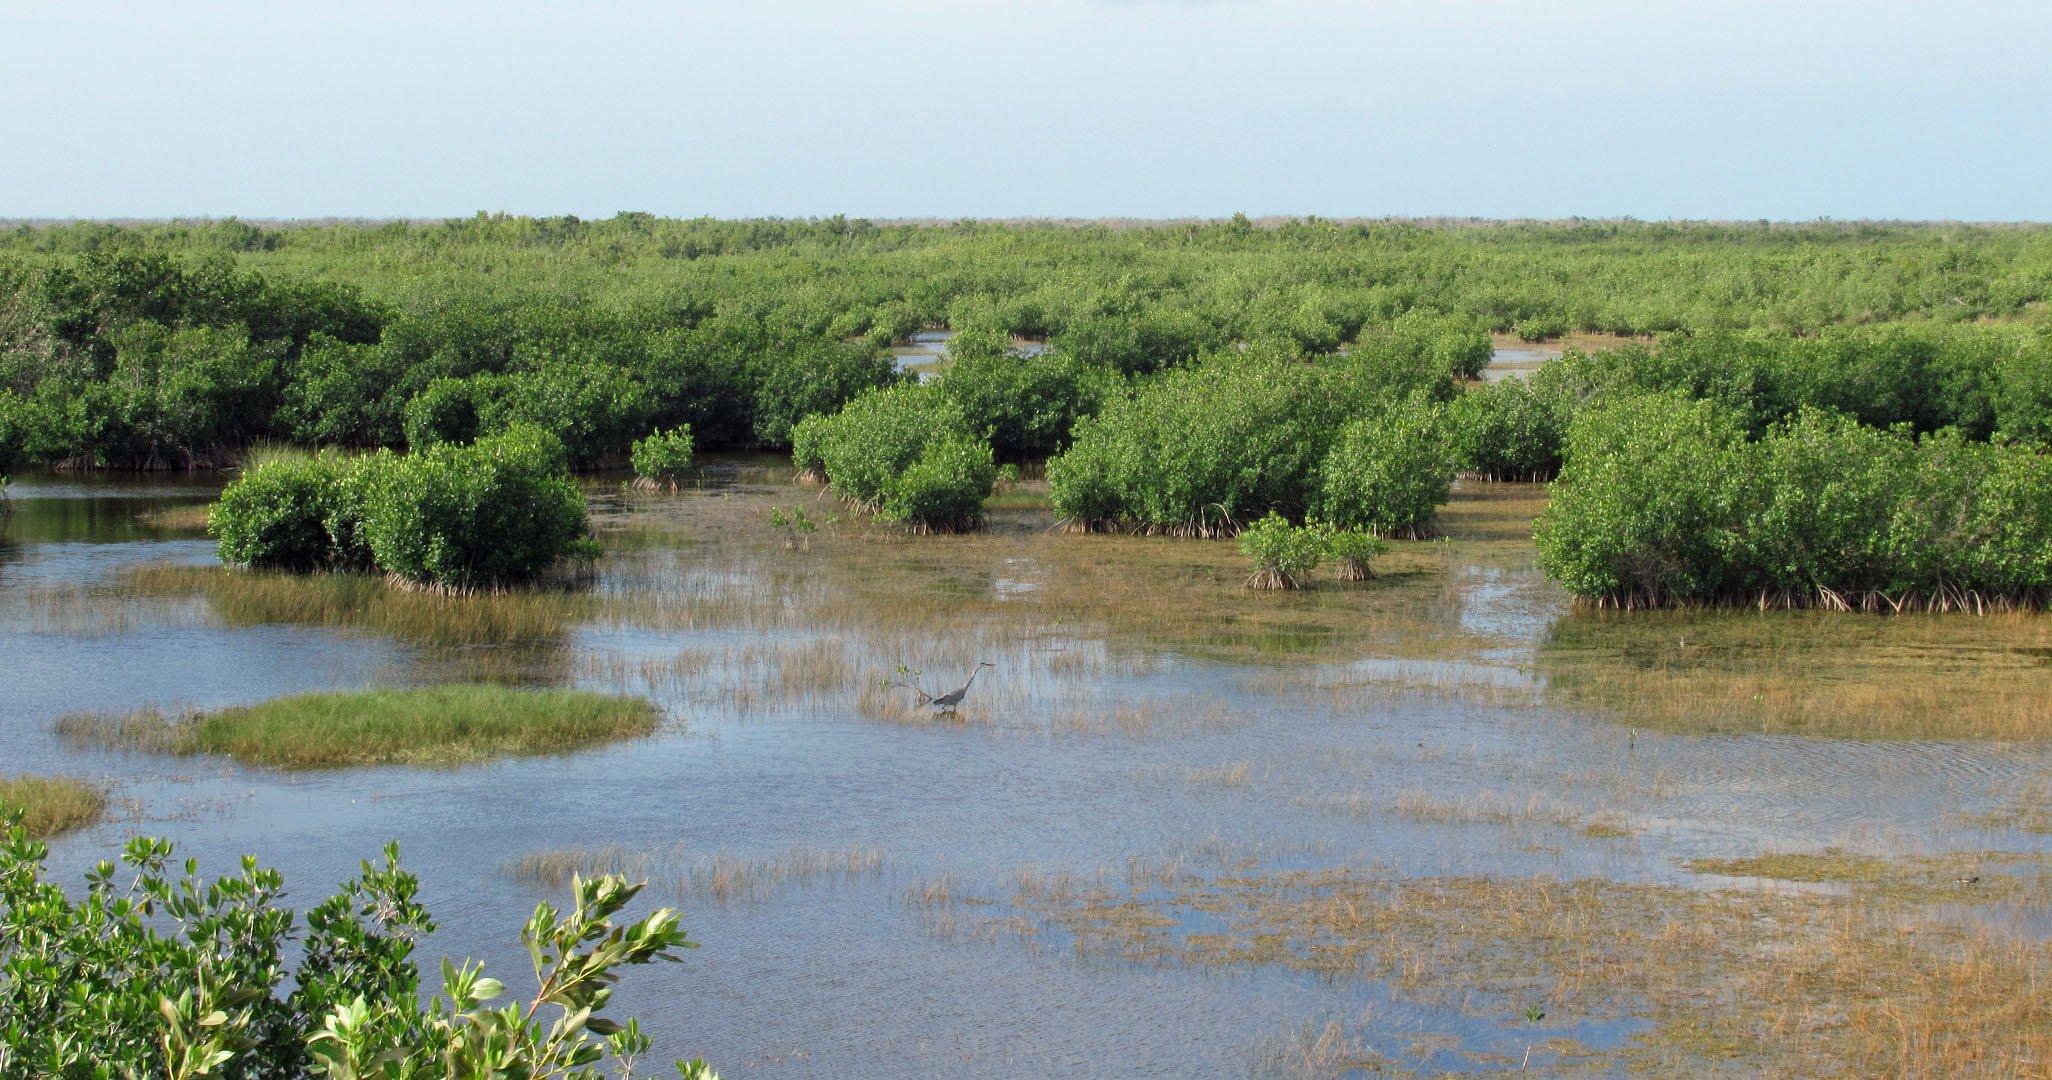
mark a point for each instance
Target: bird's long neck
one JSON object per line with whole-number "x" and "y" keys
{"x": 972, "y": 679}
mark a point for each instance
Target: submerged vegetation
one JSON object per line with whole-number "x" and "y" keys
{"x": 1667, "y": 980}
{"x": 434, "y": 725}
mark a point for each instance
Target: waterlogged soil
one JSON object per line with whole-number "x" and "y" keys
{"x": 1515, "y": 358}
{"x": 1122, "y": 854}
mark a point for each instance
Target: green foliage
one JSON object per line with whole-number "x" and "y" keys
{"x": 1664, "y": 500}
{"x": 904, "y": 454}
{"x": 808, "y": 446}
{"x": 944, "y": 488}
{"x": 177, "y": 344}
{"x": 1284, "y": 554}
{"x": 2021, "y": 397}
{"x": 1024, "y": 406}
{"x": 1200, "y": 449}
{"x": 13, "y": 433}
{"x": 152, "y": 973}
{"x": 1353, "y": 550}
{"x": 811, "y": 378}
{"x": 594, "y": 409}
{"x": 796, "y": 525}
{"x": 500, "y": 511}
{"x": 1506, "y": 430}
{"x": 450, "y": 410}
{"x": 1647, "y": 507}
{"x": 1541, "y": 327}
{"x": 663, "y": 457}
{"x": 277, "y": 514}
{"x": 1389, "y": 472}
{"x": 1423, "y": 351}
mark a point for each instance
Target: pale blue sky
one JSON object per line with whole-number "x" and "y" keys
{"x": 1064, "y": 107}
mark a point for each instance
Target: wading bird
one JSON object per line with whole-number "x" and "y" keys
{"x": 946, "y": 702}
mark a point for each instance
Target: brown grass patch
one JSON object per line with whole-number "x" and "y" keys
{"x": 50, "y": 805}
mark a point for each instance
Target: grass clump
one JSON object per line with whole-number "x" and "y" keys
{"x": 1955, "y": 877}
{"x": 456, "y": 724}
{"x": 50, "y": 805}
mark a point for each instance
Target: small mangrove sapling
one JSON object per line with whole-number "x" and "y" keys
{"x": 796, "y": 525}
{"x": 1284, "y": 554}
{"x": 1351, "y": 550}
{"x": 661, "y": 460}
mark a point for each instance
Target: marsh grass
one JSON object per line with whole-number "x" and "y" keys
{"x": 721, "y": 877}
{"x": 436, "y": 725}
{"x": 2030, "y": 811}
{"x": 1314, "y": 1051}
{"x": 1958, "y": 877}
{"x": 1908, "y": 676}
{"x": 1230, "y": 775}
{"x": 191, "y": 518}
{"x": 1742, "y": 981}
{"x": 362, "y": 602}
{"x": 50, "y": 805}
{"x": 1490, "y": 808}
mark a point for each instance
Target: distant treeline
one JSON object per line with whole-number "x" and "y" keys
{"x": 177, "y": 344}
{"x": 1191, "y": 378}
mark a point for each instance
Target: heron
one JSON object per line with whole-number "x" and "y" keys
{"x": 946, "y": 702}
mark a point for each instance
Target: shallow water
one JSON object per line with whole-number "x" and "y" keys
{"x": 923, "y": 353}
{"x": 1143, "y": 706}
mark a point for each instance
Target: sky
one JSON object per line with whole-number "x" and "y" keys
{"x": 1038, "y": 108}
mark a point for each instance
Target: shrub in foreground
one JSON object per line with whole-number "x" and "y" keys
{"x": 275, "y": 516}
{"x": 297, "y": 512}
{"x": 154, "y": 973}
